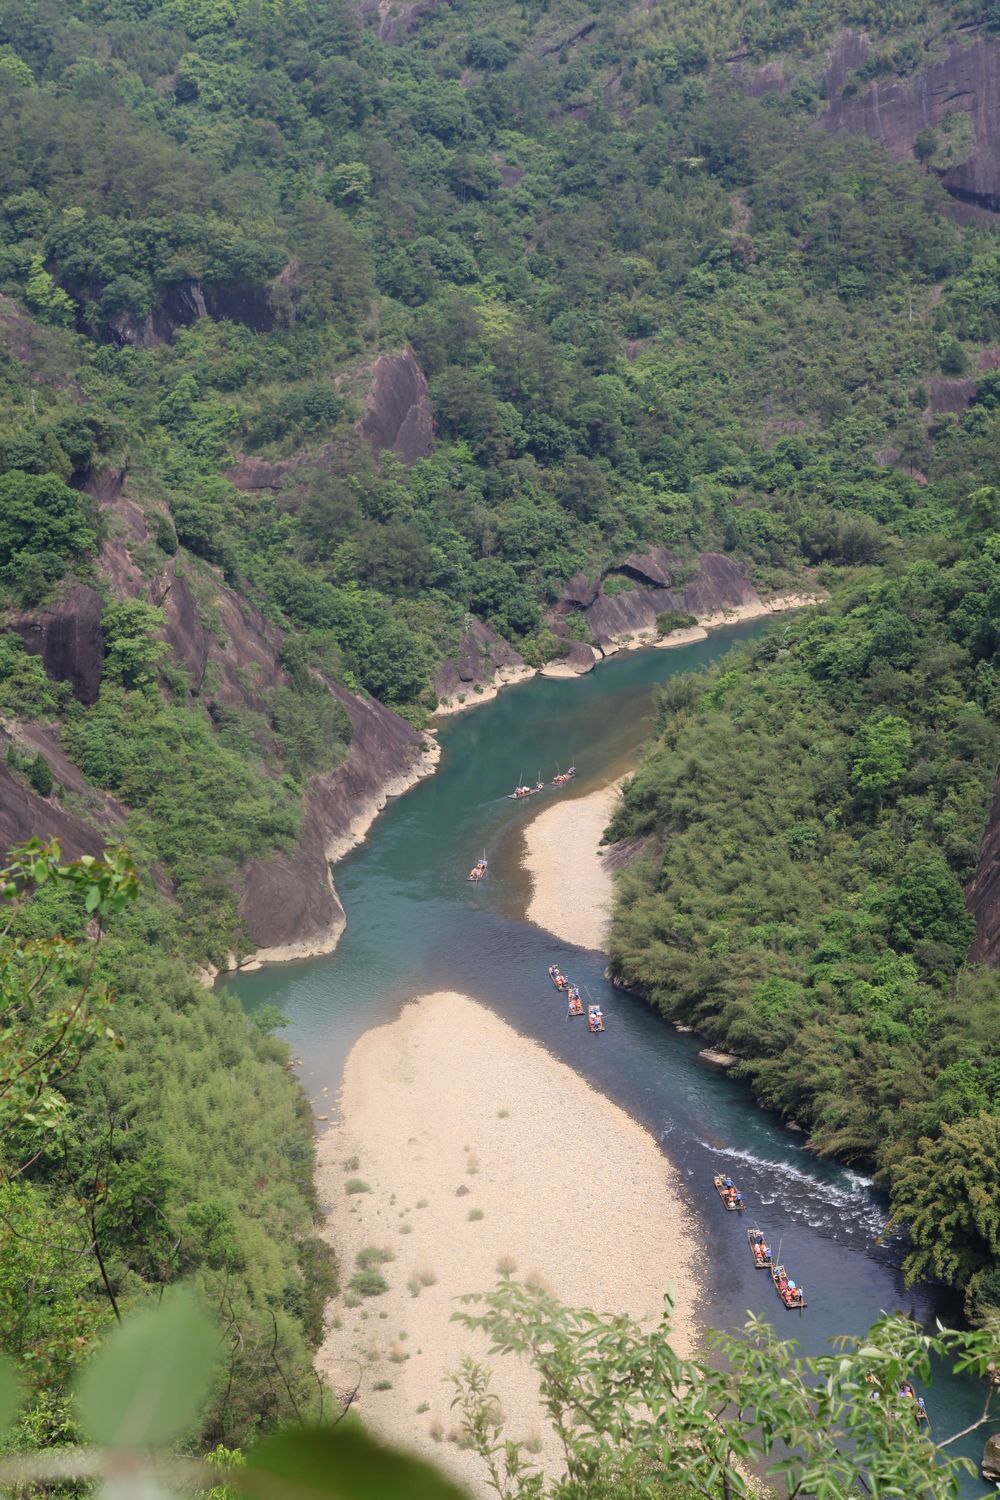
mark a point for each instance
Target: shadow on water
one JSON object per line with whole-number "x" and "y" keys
{"x": 415, "y": 924}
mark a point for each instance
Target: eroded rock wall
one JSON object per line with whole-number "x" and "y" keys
{"x": 288, "y": 903}
{"x": 982, "y": 895}
{"x": 482, "y": 660}
{"x": 629, "y": 597}
{"x": 894, "y": 110}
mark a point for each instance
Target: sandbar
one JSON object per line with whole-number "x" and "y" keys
{"x": 571, "y": 884}
{"x": 480, "y": 1150}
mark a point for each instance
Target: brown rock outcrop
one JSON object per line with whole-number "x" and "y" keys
{"x": 991, "y": 1459}
{"x": 719, "y": 584}
{"x": 482, "y": 659}
{"x": 24, "y": 814}
{"x": 399, "y": 19}
{"x": 68, "y": 638}
{"x": 982, "y": 894}
{"x": 398, "y": 408}
{"x": 288, "y": 904}
{"x": 894, "y": 110}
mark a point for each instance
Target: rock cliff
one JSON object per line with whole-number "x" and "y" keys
{"x": 982, "y": 894}
{"x": 95, "y": 816}
{"x": 398, "y": 408}
{"x": 397, "y": 416}
{"x": 289, "y": 905}
{"x": 964, "y": 77}
{"x": 481, "y": 664}
{"x": 231, "y": 656}
{"x": 626, "y": 600}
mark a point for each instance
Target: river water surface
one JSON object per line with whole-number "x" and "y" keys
{"x": 415, "y": 924}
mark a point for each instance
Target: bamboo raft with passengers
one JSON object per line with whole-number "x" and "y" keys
{"x": 759, "y": 1248}
{"x": 729, "y": 1193}
{"x": 574, "y": 1000}
{"x": 791, "y": 1295}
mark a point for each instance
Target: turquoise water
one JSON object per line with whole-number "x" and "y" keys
{"x": 415, "y": 924}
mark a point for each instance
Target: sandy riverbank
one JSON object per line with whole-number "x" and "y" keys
{"x": 449, "y": 1098}
{"x": 737, "y": 614}
{"x": 571, "y": 885}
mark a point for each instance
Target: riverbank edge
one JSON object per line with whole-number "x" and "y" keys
{"x": 571, "y": 899}
{"x": 636, "y": 640}
{"x": 465, "y": 1176}
{"x": 323, "y": 943}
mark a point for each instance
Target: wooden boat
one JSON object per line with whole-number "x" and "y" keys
{"x": 595, "y": 1018}
{"x": 759, "y": 1249}
{"x": 905, "y": 1393}
{"x": 729, "y": 1195}
{"x": 559, "y": 980}
{"x": 791, "y": 1295}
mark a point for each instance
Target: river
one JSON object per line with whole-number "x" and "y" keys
{"x": 415, "y": 924}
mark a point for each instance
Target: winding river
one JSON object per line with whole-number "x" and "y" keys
{"x": 415, "y": 925}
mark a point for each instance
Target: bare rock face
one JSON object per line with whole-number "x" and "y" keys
{"x": 894, "y": 110}
{"x": 719, "y": 584}
{"x": 482, "y": 659}
{"x": 288, "y": 903}
{"x": 68, "y": 638}
{"x": 398, "y": 408}
{"x": 982, "y": 894}
{"x": 991, "y": 1459}
{"x": 24, "y": 814}
{"x": 399, "y": 19}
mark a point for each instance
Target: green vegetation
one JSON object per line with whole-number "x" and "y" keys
{"x": 652, "y": 311}
{"x": 151, "y": 1133}
{"x": 816, "y": 804}
{"x": 629, "y": 1418}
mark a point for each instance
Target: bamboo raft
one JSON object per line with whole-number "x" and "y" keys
{"x": 728, "y": 1195}
{"x": 758, "y": 1245}
{"x": 791, "y": 1295}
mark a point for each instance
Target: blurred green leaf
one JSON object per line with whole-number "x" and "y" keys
{"x": 317, "y": 1463}
{"x": 10, "y": 1394}
{"x": 148, "y": 1383}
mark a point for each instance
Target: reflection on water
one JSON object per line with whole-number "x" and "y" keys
{"x": 416, "y": 924}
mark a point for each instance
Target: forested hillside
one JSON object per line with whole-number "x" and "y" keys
{"x": 328, "y": 331}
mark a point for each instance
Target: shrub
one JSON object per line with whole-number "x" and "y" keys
{"x": 368, "y": 1283}
{"x": 355, "y": 1185}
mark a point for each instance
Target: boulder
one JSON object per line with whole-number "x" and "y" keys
{"x": 991, "y": 1459}
{"x": 720, "y": 1062}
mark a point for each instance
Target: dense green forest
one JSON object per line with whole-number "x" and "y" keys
{"x": 652, "y": 310}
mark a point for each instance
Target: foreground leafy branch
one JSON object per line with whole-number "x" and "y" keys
{"x": 633, "y": 1418}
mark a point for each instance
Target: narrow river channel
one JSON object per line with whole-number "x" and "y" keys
{"x": 415, "y": 925}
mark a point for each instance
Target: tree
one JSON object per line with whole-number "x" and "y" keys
{"x": 41, "y": 520}
{"x": 631, "y": 1418}
{"x": 48, "y": 299}
{"x": 948, "y": 1195}
{"x": 925, "y": 145}
{"x": 132, "y": 652}
{"x": 882, "y": 755}
{"x": 40, "y": 775}
{"x": 51, "y": 1009}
